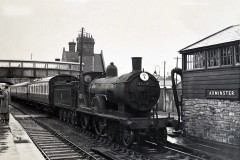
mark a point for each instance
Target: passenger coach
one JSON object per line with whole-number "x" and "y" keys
{"x": 45, "y": 92}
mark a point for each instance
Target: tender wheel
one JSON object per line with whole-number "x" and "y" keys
{"x": 64, "y": 116}
{"x": 69, "y": 116}
{"x": 72, "y": 119}
{"x": 84, "y": 121}
{"x": 99, "y": 125}
{"x": 111, "y": 131}
{"x": 60, "y": 114}
{"x": 128, "y": 138}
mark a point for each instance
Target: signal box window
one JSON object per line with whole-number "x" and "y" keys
{"x": 213, "y": 58}
{"x": 199, "y": 60}
{"x": 196, "y": 61}
{"x": 227, "y": 56}
{"x": 237, "y": 53}
{"x": 189, "y": 62}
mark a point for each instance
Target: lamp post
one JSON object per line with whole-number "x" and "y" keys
{"x": 157, "y": 74}
{"x": 177, "y": 67}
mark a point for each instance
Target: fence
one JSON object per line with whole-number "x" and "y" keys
{"x": 40, "y": 64}
{"x": 166, "y": 101}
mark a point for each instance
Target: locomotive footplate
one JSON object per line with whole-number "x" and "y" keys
{"x": 143, "y": 123}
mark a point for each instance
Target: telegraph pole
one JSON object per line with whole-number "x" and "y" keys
{"x": 164, "y": 79}
{"x": 81, "y": 51}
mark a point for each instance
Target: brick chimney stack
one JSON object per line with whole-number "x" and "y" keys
{"x": 72, "y": 46}
{"x": 88, "y": 44}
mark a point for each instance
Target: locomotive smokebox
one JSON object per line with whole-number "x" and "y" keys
{"x": 136, "y": 64}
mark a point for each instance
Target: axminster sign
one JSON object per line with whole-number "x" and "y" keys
{"x": 222, "y": 93}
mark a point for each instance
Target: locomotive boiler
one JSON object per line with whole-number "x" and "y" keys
{"x": 136, "y": 91}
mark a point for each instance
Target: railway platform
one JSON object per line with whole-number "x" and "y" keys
{"x": 15, "y": 143}
{"x": 220, "y": 150}
{"x": 224, "y": 151}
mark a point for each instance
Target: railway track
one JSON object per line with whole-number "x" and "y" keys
{"x": 93, "y": 146}
{"x": 52, "y": 145}
{"x": 44, "y": 133}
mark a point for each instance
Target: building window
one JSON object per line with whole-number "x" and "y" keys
{"x": 213, "y": 58}
{"x": 189, "y": 62}
{"x": 227, "y": 55}
{"x": 196, "y": 61}
{"x": 237, "y": 54}
{"x": 199, "y": 60}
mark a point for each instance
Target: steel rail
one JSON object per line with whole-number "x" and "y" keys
{"x": 80, "y": 150}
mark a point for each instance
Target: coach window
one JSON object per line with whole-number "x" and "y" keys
{"x": 41, "y": 88}
{"x": 227, "y": 55}
{"x": 45, "y": 89}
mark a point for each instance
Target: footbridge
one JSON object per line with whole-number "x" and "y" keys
{"x": 17, "y": 71}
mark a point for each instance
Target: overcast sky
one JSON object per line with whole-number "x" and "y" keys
{"x": 153, "y": 29}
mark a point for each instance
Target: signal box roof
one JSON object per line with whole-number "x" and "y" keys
{"x": 229, "y": 34}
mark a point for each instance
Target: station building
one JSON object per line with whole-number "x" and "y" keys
{"x": 92, "y": 61}
{"x": 210, "y": 87}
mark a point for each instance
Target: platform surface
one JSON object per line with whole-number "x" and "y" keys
{"x": 15, "y": 144}
{"x": 224, "y": 151}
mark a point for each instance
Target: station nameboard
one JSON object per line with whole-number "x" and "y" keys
{"x": 222, "y": 93}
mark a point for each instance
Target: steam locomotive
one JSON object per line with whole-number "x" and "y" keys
{"x": 123, "y": 108}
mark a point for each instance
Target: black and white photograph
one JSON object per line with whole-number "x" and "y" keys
{"x": 119, "y": 79}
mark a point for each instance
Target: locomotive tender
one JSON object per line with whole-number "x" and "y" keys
{"x": 123, "y": 108}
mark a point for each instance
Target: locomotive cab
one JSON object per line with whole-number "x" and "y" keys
{"x": 85, "y": 80}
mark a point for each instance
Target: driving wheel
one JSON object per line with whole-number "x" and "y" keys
{"x": 99, "y": 125}
{"x": 84, "y": 121}
{"x": 128, "y": 137}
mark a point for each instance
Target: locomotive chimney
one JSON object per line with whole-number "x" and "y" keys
{"x": 136, "y": 64}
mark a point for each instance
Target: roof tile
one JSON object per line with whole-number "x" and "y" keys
{"x": 228, "y": 34}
